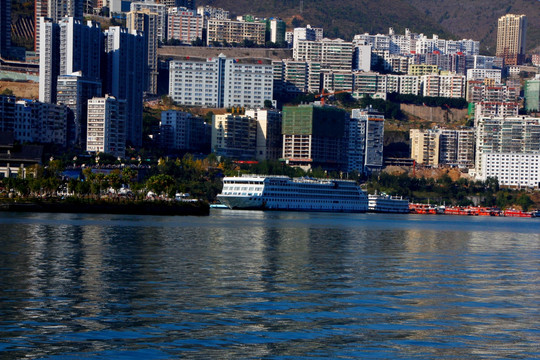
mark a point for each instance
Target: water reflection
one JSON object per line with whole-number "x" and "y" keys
{"x": 264, "y": 284}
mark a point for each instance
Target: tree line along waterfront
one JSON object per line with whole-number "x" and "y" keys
{"x": 104, "y": 180}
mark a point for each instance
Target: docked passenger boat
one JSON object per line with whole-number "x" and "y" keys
{"x": 300, "y": 194}
{"x": 388, "y": 204}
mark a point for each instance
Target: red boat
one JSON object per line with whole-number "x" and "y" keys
{"x": 517, "y": 213}
{"x": 422, "y": 209}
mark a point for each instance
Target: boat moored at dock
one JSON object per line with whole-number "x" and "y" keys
{"x": 263, "y": 192}
{"x": 384, "y": 203}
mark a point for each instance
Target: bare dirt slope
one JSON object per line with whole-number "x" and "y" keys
{"x": 26, "y": 90}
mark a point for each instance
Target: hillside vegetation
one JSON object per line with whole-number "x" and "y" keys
{"x": 471, "y": 19}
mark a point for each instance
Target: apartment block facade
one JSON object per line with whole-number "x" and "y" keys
{"x": 221, "y": 82}
{"x": 269, "y": 139}
{"x": 505, "y": 135}
{"x": 365, "y": 141}
{"x": 184, "y": 25}
{"x": 436, "y": 147}
{"x": 511, "y": 38}
{"x": 181, "y": 130}
{"x": 34, "y": 121}
{"x": 232, "y": 31}
{"x": 146, "y": 23}
{"x": 234, "y": 136}
{"x": 315, "y": 136}
{"x": 333, "y": 54}
{"x": 74, "y": 91}
{"x": 106, "y": 126}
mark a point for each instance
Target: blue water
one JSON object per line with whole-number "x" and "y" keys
{"x": 271, "y": 285}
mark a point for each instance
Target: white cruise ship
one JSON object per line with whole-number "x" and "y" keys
{"x": 298, "y": 194}
{"x": 388, "y": 204}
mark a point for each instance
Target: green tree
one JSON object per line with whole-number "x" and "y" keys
{"x": 160, "y": 183}
{"x": 525, "y": 202}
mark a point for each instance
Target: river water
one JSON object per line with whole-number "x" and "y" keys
{"x": 273, "y": 285}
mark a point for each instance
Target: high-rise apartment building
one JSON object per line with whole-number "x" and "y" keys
{"x": 33, "y": 121}
{"x": 160, "y": 10}
{"x": 74, "y": 91}
{"x": 479, "y": 91}
{"x": 124, "y": 76}
{"x": 511, "y": 38}
{"x": 296, "y": 77}
{"x": 532, "y": 94}
{"x": 506, "y": 135}
{"x": 56, "y": 10}
{"x": 365, "y": 141}
{"x": 189, "y": 4}
{"x": 234, "y": 136}
{"x": 81, "y": 47}
{"x": 269, "y": 138}
{"x": 106, "y": 126}
{"x": 277, "y": 30}
{"x": 452, "y": 86}
{"x": 5, "y": 28}
{"x": 315, "y": 136}
{"x": 220, "y": 82}
{"x": 146, "y": 22}
{"x": 67, "y": 47}
{"x": 49, "y": 59}
{"x": 211, "y": 12}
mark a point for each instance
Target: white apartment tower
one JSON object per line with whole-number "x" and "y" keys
{"x": 106, "y": 126}
{"x": 234, "y": 136}
{"x": 49, "y": 59}
{"x": 505, "y": 135}
{"x": 68, "y": 47}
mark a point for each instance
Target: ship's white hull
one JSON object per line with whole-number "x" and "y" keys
{"x": 246, "y": 203}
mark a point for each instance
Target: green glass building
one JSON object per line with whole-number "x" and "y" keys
{"x": 315, "y": 136}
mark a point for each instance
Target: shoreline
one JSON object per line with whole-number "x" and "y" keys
{"x": 141, "y": 207}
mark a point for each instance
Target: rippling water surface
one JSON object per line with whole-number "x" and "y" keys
{"x": 268, "y": 285}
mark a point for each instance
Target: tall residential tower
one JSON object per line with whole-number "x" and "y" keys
{"x": 511, "y": 37}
